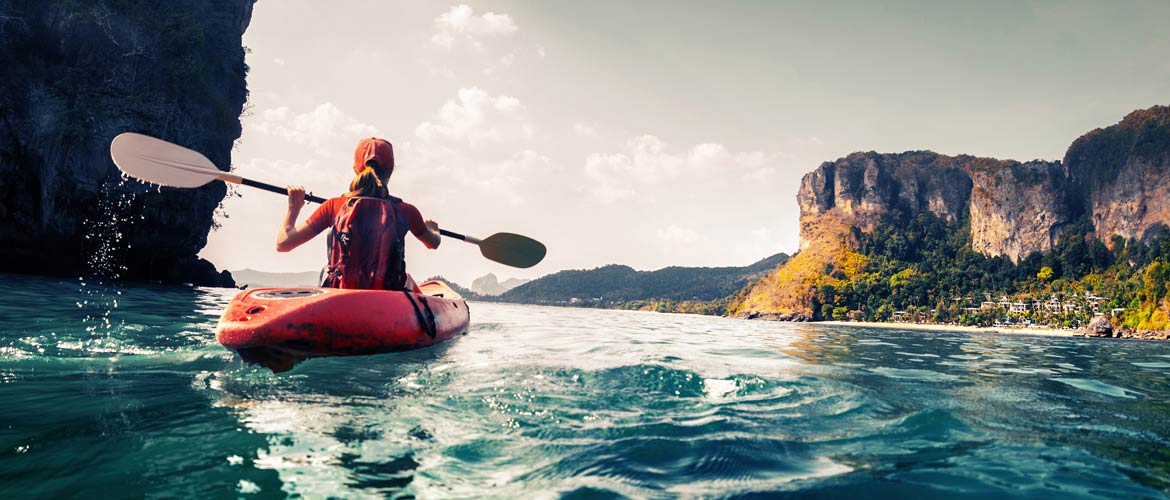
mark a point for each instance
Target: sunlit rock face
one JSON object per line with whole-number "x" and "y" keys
{"x": 1118, "y": 176}
{"x": 1121, "y": 175}
{"x": 1016, "y": 208}
{"x": 866, "y": 185}
{"x": 76, "y": 74}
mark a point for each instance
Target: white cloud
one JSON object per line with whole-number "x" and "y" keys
{"x": 610, "y": 194}
{"x": 279, "y": 61}
{"x": 540, "y": 52}
{"x": 478, "y": 143}
{"x": 647, "y": 162}
{"x": 460, "y": 25}
{"x": 708, "y": 154}
{"x": 676, "y": 234}
{"x": 508, "y": 59}
{"x": 325, "y": 178}
{"x": 442, "y": 72}
{"x": 507, "y": 179}
{"x": 584, "y": 130}
{"x": 319, "y": 129}
{"x": 475, "y": 118}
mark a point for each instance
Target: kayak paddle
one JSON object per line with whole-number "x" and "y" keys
{"x": 159, "y": 162}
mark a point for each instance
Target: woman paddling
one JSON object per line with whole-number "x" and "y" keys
{"x": 366, "y": 247}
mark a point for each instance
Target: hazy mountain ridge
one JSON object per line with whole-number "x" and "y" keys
{"x": 618, "y": 285}
{"x": 258, "y": 279}
{"x": 490, "y": 285}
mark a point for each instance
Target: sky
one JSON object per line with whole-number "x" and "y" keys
{"x": 655, "y": 133}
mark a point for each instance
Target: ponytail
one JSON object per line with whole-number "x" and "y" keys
{"x": 367, "y": 183}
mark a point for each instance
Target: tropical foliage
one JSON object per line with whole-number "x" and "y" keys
{"x": 701, "y": 290}
{"x": 922, "y": 268}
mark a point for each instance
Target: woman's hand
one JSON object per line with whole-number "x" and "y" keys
{"x": 435, "y": 239}
{"x": 296, "y": 197}
{"x": 290, "y": 236}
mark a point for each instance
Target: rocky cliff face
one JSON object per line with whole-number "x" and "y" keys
{"x": 1119, "y": 176}
{"x": 77, "y": 74}
{"x": 487, "y": 285}
{"x": 1016, "y": 208}
{"x": 862, "y": 187}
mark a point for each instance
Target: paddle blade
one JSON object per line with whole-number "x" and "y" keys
{"x": 160, "y": 162}
{"x": 512, "y": 249}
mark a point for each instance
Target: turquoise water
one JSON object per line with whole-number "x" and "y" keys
{"x": 138, "y": 400}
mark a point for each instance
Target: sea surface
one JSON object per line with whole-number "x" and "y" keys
{"x": 121, "y": 391}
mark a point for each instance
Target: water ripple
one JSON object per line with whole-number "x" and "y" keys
{"x": 570, "y": 403}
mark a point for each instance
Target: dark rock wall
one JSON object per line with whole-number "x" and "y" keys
{"x": 76, "y": 74}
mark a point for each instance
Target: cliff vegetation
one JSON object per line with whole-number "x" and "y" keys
{"x": 699, "y": 290}
{"x": 925, "y": 237}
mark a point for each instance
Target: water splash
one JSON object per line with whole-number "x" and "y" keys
{"x": 98, "y": 291}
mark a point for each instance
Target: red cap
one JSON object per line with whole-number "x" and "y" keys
{"x": 373, "y": 148}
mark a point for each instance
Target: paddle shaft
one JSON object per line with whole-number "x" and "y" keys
{"x": 157, "y": 161}
{"x": 317, "y": 199}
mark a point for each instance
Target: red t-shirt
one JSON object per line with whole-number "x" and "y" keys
{"x": 325, "y": 214}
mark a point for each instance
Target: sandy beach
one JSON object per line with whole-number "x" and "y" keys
{"x": 1049, "y": 332}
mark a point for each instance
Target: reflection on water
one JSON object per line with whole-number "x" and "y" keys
{"x": 575, "y": 403}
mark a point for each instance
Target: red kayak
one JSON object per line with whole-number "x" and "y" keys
{"x": 278, "y": 327}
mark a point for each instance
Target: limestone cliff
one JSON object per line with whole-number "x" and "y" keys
{"x": 1016, "y": 208}
{"x": 1122, "y": 175}
{"x": 1118, "y": 176}
{"x": 77, "y": 73}
{"x": 862, "y": 187}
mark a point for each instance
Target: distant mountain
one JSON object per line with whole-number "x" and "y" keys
{"x": 618, "y": 286}
{"x": 489, "y": 285}
{"x": 257, "y": 279}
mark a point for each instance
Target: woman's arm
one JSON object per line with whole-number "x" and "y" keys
{"x": 290, "y": 234}
{"x": 431, "y": 238}
{"x": 427, "y": 231}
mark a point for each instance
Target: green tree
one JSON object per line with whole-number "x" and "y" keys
{"x": 840, "y": 313}
{"x": 1045, "y": 273}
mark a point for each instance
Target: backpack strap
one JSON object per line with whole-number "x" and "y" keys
{"x": 392, "y": 199}
{"x": 338, "y": 242}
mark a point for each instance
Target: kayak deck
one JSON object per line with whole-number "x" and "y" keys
{"x": 279, "y": 327}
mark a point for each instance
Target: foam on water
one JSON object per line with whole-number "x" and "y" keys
{"x": 1096, "y": 386}
{"x": 548, "y": 402}
{"x": 1153, "y": 364}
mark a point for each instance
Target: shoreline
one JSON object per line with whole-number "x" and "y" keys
{"x": 1045, "y": 331}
